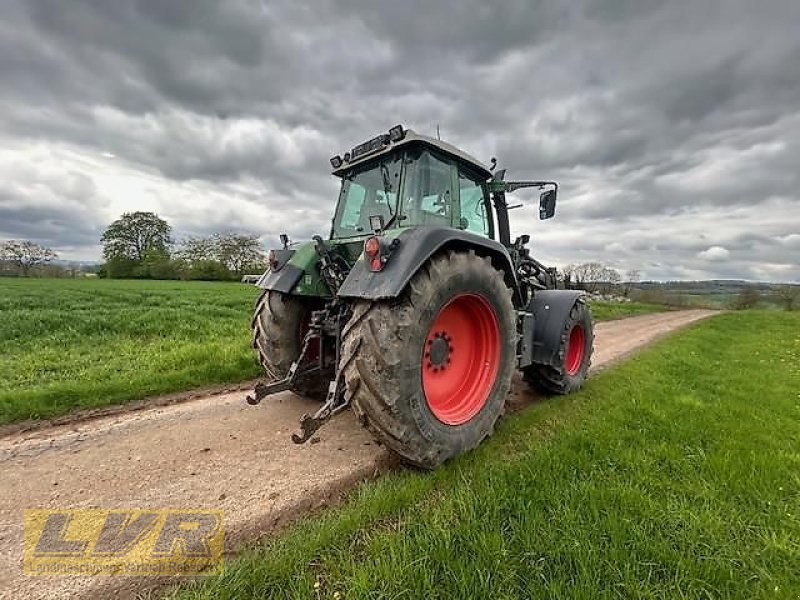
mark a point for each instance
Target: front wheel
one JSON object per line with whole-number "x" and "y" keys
{"x": 575, "y": 355}
{"x": 428, "y": 373}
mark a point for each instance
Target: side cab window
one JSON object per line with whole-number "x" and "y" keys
{"x": 428, "y": 190}
{"x": 475, "y": 216}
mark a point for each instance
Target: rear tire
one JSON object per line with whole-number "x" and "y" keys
{"x": 428, "y": 373}
{"x": 279, "y": 324}
{"x": 577, "y": 344}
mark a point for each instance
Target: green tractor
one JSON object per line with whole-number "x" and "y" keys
{"x": 419, "y": 307}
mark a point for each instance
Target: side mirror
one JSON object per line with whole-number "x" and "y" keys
{"x": 547, "y": 204}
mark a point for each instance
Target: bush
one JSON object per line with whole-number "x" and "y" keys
{"x": 747, "y": 298}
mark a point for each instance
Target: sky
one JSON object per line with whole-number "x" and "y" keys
{"x": 672, "y": 127}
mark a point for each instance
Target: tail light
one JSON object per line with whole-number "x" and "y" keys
{"x": 372, "y": 251}
{"x": 378, "y": 251}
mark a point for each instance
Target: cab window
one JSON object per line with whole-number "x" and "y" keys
{"x": 427, "y": 194}
{"x": 368, "y": 191}
{"x": 474, "y": 216}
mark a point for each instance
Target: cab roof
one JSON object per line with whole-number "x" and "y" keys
{"x": 410, "y": 138}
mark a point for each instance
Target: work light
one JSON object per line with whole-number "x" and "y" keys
{"x": 397, "y": 133}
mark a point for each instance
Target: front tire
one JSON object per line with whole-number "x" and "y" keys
{"x": 575, "y": 355}
{"x": 428, "y": 373}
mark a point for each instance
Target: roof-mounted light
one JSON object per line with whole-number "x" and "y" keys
{"x": 336, "y": 161}
{"x": 397, "y": 133}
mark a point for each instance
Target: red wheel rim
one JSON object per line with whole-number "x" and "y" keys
{"x": 461, "y": 358}
{"x": 575, "y": 350}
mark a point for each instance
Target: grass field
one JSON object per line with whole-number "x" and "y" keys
{"x": 605, "y": 311}
{"x": 77, "y": 344}
{"x": 674, "y": 475}
{"x": 67, "y": 344}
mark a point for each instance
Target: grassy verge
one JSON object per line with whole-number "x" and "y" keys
{"x": 606, "y": 311}
{"x": 676, "y": 474}
{"x": 68, "y": 344}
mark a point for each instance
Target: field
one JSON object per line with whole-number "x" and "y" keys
{"x": 70, "y": 344}
{"x": 673, "y": 475}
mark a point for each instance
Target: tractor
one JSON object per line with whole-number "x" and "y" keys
{"x": 418, "y": 308}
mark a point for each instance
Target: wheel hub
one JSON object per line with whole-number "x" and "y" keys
{"x": 439, "y": 350}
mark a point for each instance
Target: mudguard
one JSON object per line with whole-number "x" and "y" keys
{"x": 415, "y": 247}
{"x": 283, "y": 280}
{"x": 550, "y": 308}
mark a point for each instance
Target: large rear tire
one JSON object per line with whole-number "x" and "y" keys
{"x": 279, "y": 324}
{"x": 575, "y": 355}
{"x": 428, "y": 373}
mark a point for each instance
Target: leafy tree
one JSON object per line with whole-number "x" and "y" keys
{"x": 221, "y": 256}
{"x": 136, "y": 234}
{"x": 24, "y": 255}
{"x": 196, "y": 249}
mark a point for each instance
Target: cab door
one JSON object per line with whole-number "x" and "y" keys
{"x": 474, "y": 210}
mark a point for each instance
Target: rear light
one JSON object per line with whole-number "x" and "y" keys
{"x": 372, "y": 250}
{"x": 372, "y": 246}
{"x": 378, "y": 251}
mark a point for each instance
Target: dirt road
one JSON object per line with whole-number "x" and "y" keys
{"x": 211, "y": 452}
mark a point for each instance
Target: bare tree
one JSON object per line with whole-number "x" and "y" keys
{"x": 747, "y": 298}
{"x": 568, "y": 276}
{"x": 25, "y": 255}
{"x": 588, "y": 276}
{"x": 632, "y": 277}
{"x": 789, "y": 296}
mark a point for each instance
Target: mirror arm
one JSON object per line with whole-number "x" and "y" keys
{"x": 512, "y": 186}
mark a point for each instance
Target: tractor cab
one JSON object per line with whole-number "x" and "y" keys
{"x": 403, "y": 179}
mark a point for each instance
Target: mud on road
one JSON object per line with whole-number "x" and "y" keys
{"x": 212, "y": 452}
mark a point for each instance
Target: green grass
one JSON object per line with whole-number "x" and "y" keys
{"x": 67, "y": 344}
{"x": 674, "y": 475}
{"x": 78, "y": 344}
{"x": 605, "y": 311}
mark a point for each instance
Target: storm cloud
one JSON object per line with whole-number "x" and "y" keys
{"x": 673, "y": 127}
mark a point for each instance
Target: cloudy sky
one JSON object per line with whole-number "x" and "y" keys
{"x": 673, "y": 127}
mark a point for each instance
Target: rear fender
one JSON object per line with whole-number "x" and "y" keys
{"x": 416, "y": 246}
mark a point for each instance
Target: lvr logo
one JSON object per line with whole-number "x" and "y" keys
{"x": 85, "y": 541}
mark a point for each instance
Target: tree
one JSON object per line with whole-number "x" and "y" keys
{"x": 588, "y": 276}
{"x": 240, "y": 252}
{"x": 135, "y": 235}
{"x": 197, "y": 249}
{"x": 747, "y": 298}
{"x": 221, "y": 256}
{"x": 24, "y": 255}
{"x": 789, "y": 296}
{"x": 632, "y": 277}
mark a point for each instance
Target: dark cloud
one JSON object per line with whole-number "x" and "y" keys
{"x": 673, "y": 127}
